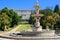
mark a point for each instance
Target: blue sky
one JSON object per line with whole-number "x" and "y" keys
{"x": 27, "y": 4}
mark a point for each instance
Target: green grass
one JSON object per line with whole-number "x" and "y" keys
{"x": 24, "y": 27}
{"x": 9, "y": 29}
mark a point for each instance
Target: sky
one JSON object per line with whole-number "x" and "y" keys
{"x": 28, "y": 4}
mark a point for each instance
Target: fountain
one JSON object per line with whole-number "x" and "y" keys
{"x": 37, "y": 17}
{"x": 37, "y": 29}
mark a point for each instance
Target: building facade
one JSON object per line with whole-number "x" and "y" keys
{"x": 25, "y": 13}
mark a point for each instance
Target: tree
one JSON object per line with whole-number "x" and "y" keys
{"x": 5, "y": 21}
{"x": 46, "y": 21}
{"x": 46, "y": 11}
{"x": 7, "y": 12}
{"x": 50, "y": 20}
{"x": 15, "y": 18}
{"x": 31, "y": 20}
{"x": 8, "y": 18}
{"x": 56, "y": 9}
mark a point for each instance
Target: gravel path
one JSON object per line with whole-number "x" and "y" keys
{"x": 13, "y": 30}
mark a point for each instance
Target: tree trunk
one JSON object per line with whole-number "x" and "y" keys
{"x": 52, "y": 27}
{"x": 5, "y": 29}
{"x": 47, "y": 27}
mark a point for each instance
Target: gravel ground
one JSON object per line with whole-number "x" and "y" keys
{"x": 5, "y": 39}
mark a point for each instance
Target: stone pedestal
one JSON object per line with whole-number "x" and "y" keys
{"x": 37, "y": 29}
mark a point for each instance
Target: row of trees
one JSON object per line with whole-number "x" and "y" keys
{"x": 8, "y": 18}
{"x": 51, "y": 18}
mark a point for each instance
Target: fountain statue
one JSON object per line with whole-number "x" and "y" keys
{"x": 37, "y": 17}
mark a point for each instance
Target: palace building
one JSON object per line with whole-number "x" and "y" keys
{"x": 25, "y": 13}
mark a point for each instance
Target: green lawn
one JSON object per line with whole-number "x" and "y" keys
{"x": 24, "y": 27}
{"x": 9, "y": 29}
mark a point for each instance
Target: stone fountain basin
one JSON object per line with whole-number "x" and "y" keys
{"x": 25, "y": 33}
{"x": 34, "y": 33}
{"x": 47, "y": 33}
{"x": 29, "y": 35}
{"x": 30, "y": 32}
